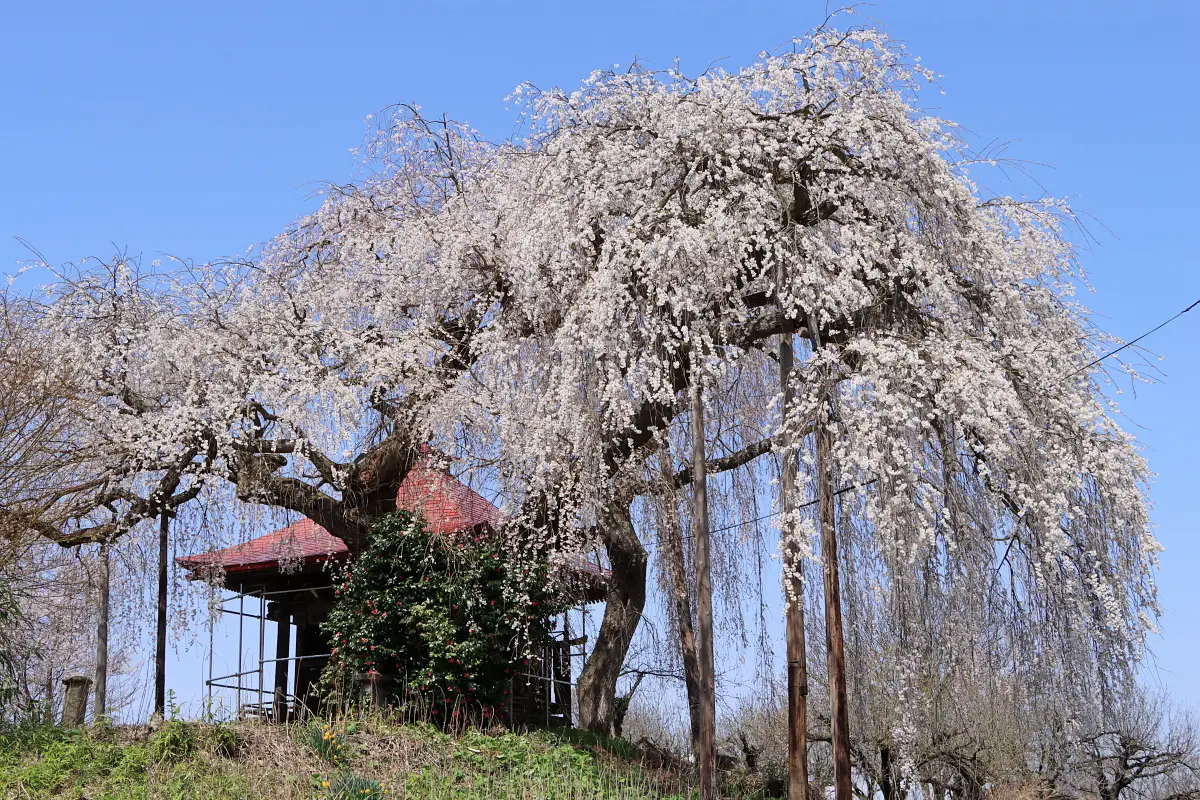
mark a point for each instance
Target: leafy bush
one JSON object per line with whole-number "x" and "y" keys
{"x": 77, "y": 761}
{"x": 222, "y": 740}
{"x": 175, "y": 740}
{"x": 27, "y": 736}
{"x": 445, "y": 618}
{"x": 533, "y": 765}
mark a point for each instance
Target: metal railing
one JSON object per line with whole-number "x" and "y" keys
{"x": 555, "y": 700}
{"x": 240, "y": 687}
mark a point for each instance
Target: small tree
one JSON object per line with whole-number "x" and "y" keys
{"x": 451, "y": 617}
{"x": 1145, "y": 749}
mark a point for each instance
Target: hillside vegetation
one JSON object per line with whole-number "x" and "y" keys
{"x": 359, "y": 760}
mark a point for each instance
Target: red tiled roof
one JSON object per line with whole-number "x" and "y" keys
{"x": 301, "y": 542}
{"x": 446, "y": 504}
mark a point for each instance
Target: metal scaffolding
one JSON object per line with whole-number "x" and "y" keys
{"x": 546, "y": 689}
{"x": 266, "y": 710}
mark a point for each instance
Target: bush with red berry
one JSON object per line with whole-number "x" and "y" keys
{"x": 448, "y": 618}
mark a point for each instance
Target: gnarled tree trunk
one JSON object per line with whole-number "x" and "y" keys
{"x": 623, "y": 607}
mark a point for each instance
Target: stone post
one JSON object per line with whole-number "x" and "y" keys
{"x": 75, "y": 700}
{"x": 370, "y": 690}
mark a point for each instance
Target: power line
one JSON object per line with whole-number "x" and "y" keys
{"x": 845, "y": 489}
{"x": 1135, "y": 341}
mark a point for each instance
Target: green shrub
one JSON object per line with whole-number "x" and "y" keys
{"x": 180, "y": 762}
{"x": 443, "y": 616}
{"x": 30, "y": 737}
{"x": 175, "y": 740}
{"x": 222, "y": 740}
{"x": 73, "y": 763}
{"x": 195, "y": 781}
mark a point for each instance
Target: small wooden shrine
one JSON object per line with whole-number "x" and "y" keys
{"x": 289, "y": 572}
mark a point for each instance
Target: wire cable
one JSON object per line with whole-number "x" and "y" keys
{"x": 1134, "y": 341}
{"x": 845, "y": 489}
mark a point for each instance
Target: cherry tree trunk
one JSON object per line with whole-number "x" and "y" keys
{"x": 706, "y": 756}
{"x": 797, "y": 665}
{"x": 887, "y": 788}
{"x": 623, "y": 605}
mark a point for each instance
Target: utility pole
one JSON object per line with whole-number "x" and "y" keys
{"x": 834, "y": 639}
{"x": 674, "y": 563}
{"x": 706, "y": 758}
{"x": 100, "y": 707}
{"x": 843, "y": 789}
{"x": 797, "y": 665}
{"x": 160, "y": 650}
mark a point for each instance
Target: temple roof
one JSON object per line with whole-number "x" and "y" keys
{"x": 446, "y": 504}
{"x": 300, "y": 542}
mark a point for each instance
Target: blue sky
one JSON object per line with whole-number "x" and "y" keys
{"x": 199, "y": 130}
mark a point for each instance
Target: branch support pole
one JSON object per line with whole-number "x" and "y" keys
{"x": 834, "y": 638}
{"x": 797, "y": 665}
{"x": 100, "y": 701}
{"x": 706, "y": 758}
{"x": 160, "y": 647}
{"x": 675, "y": 565}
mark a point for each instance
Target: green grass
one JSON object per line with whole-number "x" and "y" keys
{"x": 97, "y": 764}
{"x": 358, "y": 760}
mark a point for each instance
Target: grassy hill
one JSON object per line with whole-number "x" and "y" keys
{"x": 367, "y": 759}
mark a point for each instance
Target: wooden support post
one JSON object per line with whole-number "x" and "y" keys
{"x": 160, "y": 649}
{"x": 260, "y": 709}
{"x": 797, "y": 666}
{"x": 241, "y": 620}
{"x": 568, "y": 678}
{"x": 208, "y": 709}
{"x": 838, "y": 703}
{"x": 674, "y": 564}
{"x": 283, "y": 637}
{"x": 100, "y": 704}
{"x": 839, "y": 709}
{"x": 706, "y": 758}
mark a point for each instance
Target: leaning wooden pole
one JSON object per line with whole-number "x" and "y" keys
{"x": 160, "y": 649}
{"x": 706, "y": 758}
{"x": 797, "y": 666}
{"x": 100, "y": 699}
{"x": 834, "y": 639}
